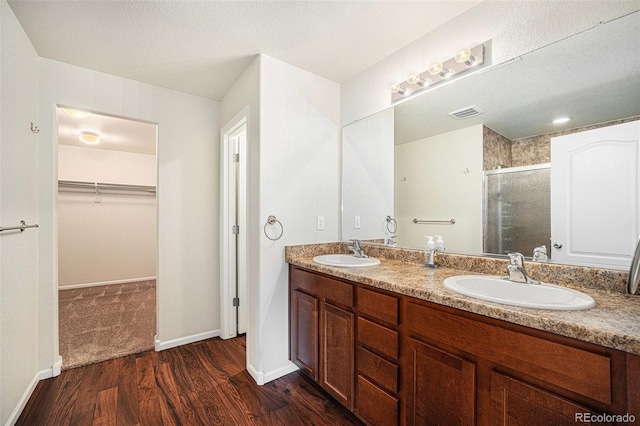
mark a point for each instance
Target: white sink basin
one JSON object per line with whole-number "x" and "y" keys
{"x": 542, "y": 296}
{"x": 346, "y": 261}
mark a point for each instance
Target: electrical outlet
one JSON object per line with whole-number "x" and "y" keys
{"x": 356, "y": 222}
{"x": 320, "y": 223}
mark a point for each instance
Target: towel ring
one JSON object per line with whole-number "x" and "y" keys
{"x": 271, "y": 220}
{"x": 391, "y": 223}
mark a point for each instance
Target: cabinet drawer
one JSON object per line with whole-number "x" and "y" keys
{"x": 321, "y": 286}
{"x": 375, "y": 405}
{"x": 378, "y": 305}
{"x": 577, "y": 370}
{"x": 381, "y": 371}
{"x": 379, "y": 338}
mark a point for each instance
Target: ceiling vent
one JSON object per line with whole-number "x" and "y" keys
{"x": 466, "y": 112}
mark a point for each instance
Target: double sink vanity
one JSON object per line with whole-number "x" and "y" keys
{"x": 398, "y": 343}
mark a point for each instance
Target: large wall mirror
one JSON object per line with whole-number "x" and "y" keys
{"x": 413, "y": 170}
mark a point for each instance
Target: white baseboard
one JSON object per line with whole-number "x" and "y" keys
{"x": 262, "y": 378}
{"x": 258, "y": 376}
{"x": 96, "y": 284}
{"x": 161, "y": 346}
{"x": 279, "y": 372}
{"x": 57, "y": 367}
{"x": 22, "y": 402}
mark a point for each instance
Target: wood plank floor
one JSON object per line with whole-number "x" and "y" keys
{"x": 204, "y": 383}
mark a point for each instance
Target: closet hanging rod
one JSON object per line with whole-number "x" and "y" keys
{"x": 93, "y": 186}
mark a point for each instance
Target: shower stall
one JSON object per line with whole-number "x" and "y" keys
{"x": 516, "y": 209}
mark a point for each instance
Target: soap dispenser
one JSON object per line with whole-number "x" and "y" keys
{"x": 439, "y": 243}
{"x": 430, "y": 252}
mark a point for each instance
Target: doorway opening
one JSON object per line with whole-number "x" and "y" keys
{"x": 107, "y": 236}
{"x": 234, "y": 301}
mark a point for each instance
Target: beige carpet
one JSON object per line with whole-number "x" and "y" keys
{"x": 105, "y": 322}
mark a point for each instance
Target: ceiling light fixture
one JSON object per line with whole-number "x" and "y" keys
{"x": 463, "y": 61}
{"x": 89, "y": 138}
{"x": 561, "y": 120}
{"x": 77, "y": 113}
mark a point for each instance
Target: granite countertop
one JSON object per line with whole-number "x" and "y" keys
{"x": 614, "y": 322}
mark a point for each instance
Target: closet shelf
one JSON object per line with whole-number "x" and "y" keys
{"x": 80, "y": 186}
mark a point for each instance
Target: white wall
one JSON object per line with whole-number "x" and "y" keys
{"x": 18, "y": 201}
{"x": 515, "y": 28}
{"x": 299, "y": 169}
{"x": 294, "y": 175}
{"x": 188, "y": 184}
{"x": 446, "y": 170}
{"x": 246, "y": 92}
{"x": 113, "y": 240}
{"x": 367, "y": 176}
{"x": 106, "y": 165}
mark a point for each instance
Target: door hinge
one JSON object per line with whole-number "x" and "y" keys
{"x": 235, "y": 229}
{"x": 236, "y": 158}
{"x": 236, "y": 301}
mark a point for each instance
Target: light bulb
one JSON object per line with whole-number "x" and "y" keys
{"x": 436, "y": 68}
{"x": 419, "y": 81}
{"x": 399, "y": 90}
{"x": 89, "y": 138}
{"x": 465, "y": 57}
{"x": 439, "y": 69}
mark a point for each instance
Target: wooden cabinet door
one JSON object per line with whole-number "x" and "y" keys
{"x": 337, "y": 353}
{"x": 514, "y": 402}
{"x": 304, "y": 333}
{"x": 440, "y": 388}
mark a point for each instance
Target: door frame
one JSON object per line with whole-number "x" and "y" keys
{"x": 228, "y": 320}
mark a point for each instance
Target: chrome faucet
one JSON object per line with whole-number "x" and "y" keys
{"x": 516, "y": 271}
{"x": 540, "y": 254}
{"x": 356, "y": 249}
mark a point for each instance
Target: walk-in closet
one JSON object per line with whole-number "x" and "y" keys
{"x": 107, "y": 236}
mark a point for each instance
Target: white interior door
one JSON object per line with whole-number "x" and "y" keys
{"x": 240, "y": 137}
{"x": 234, "y": 229}
{"x": 594, "y": 195}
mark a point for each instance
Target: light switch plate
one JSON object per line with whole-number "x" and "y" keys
{"x": 356, "y": 222}
{"x": 320, "y": 223}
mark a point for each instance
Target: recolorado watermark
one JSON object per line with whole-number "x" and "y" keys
{"x": 604, "y": 418}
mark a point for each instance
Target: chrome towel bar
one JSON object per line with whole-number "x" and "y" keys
{"x": 23, "y": 225}
{"x": 452, "y": 221}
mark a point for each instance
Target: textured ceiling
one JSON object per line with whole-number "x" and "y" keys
{"x": 202, "y": 47}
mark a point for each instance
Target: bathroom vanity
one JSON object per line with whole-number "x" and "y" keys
{"x": 394, "y": 346}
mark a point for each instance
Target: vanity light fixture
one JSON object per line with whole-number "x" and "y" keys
{"x": 76, "y": 113}
{"x": 90, "y": 138}
{"x": 419, "y": 81}
{"x": 561, "y": 120}
{"x": 439, "y": 69}
{"x": 397, "y": 89}
{"x": 465, "y": 57}
{"x": 438, "y": 72}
